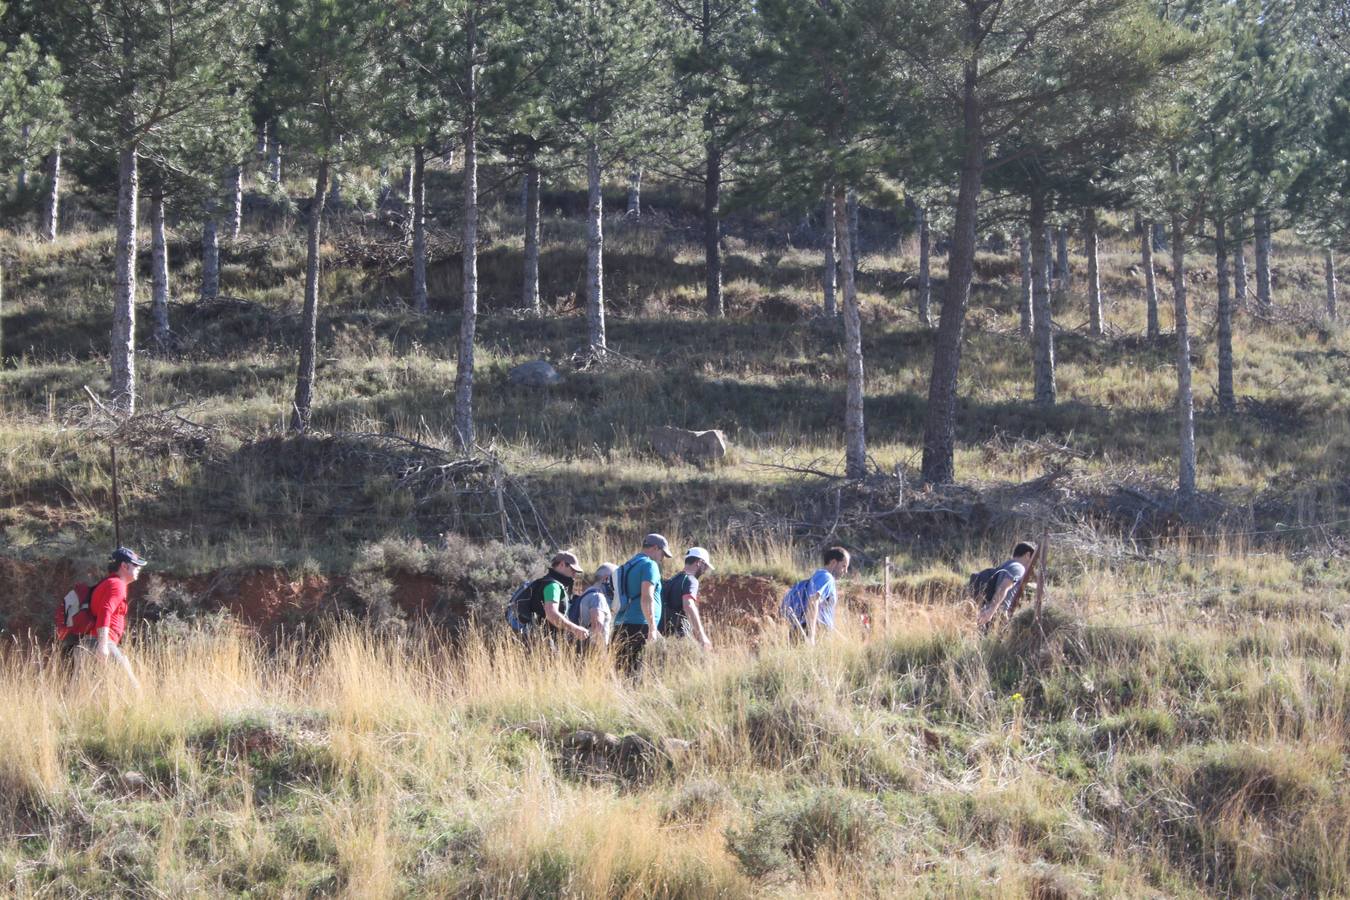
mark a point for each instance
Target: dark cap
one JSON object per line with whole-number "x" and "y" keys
{"x": 127, "y": 555}
{"x": 570, "y": 558}
{"x": 656, "y": 540}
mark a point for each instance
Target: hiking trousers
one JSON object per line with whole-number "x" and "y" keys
{"x": 629, "y": 642}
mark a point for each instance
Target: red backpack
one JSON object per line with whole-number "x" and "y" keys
{"x": 73, "y": 616}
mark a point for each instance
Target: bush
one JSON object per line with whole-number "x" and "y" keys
{"x": 805, "y": 828}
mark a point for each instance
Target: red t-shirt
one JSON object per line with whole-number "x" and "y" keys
{"x": 108, "y": 603}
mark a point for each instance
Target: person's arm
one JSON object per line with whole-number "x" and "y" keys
{"x": 648, "y": 607}
{"x": 103, "y": 621}
{"x": 812, "y": 616}
{"x": 553, "y": 594}
{"x": 692, "y": 614}
{"x": 1004, "y": 585}
{"x": 595, "y": 625}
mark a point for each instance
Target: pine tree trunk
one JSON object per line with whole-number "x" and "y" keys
{"x": 124, "y": 293}
{"x": 1239, "y": 266}
{"x": 939, "y": 432}
{"x": 634, "y": 211}
{"x": 409, "y": 204}
{"x": 855, "y": 436}
{"x": 210, "y": 253}
{"x": 1263, "y": 287}
{"x": 1042, "y": 318}
{"x": 1227, "y": 399}
{"x": 468, "y": 323}
{"x": 304, "y": 379}
{"x": 531, "y": 291}
{"x": 335, "y": 188}
{"x": 712, "y": 231}
{"x": 419, "y": 230}
{"x": 51, "y": 218}
{"x": 1095, "y": 312}
{"x": 235, "y": 186}
{"x": 263, "y": 142}
{"x": 925, "y": 270}
{"x": 274, "y": 168}
{"x": 159, "y": 268}
{"x": 1024, "y": 304}
{"x": 854, "y": 245}
{"x": 830, "y": 280}
{"x": 1329, "y": 265}
{"x": 1185, "y": 398}
{"x": 1150, "y": 281}
{"x": 595, "y": 251}
{"x": 1062, "y": 256}
{"x": 1049, "y": 260}
{"x": 22, "y": 180}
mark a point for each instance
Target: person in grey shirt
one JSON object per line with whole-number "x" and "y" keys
{"x": 595, "y": 607}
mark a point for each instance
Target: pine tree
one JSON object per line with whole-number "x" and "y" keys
{"x": 328, "y": 85}
{"x": 32, "y": 114}
{"x": 134, "y": 69}
{"x": 991, "y": 68}
{"x": 603, "y": 91}
{"x": 825, "y": 95}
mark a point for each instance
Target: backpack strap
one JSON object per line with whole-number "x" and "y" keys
{"x": 625, "y": 601}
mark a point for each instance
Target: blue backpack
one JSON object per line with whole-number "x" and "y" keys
{"x": 513, "y": 606}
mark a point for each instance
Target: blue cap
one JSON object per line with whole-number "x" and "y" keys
{"x": 127, "y": 555}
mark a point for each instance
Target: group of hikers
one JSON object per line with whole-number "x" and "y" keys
{"x": 629, "y": 607}
{"x": 626, "y": 607}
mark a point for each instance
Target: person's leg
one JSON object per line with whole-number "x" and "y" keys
{"x": 629, "y": 641}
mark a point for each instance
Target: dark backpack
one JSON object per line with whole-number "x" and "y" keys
{"x": 529, "y": 602}
{"x": 73, "y": 615}
{"x": 673, "y": 620}
{"x": 573, "y": 614}
{"x": 982, "y": 584}
{"x": 513, "y": 606}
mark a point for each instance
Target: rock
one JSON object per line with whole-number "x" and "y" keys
{"x": 676, "y": 749}
{"x": 677, "y": 444}
{"x": 135, "y": 781}
{"x": 536, "y": 373}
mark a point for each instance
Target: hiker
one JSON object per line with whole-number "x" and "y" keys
{"x": 595, "y": 608}
{"x": 547, "y": 599}
{"x": 999, "y": 583}
{"x": 639, "y": 593}
{"x": 108, "y": 606}
{"x": 810, "y": 603}
{"x": 680, "y": 615}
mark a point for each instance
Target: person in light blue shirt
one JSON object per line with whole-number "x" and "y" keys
{"x": 810, "y": 603}
{"x": 638, "y": 592}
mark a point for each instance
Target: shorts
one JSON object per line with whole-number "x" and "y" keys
{"x": 83, "y": 646}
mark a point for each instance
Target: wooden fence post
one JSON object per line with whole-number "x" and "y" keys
{"x": 886, "y": 599}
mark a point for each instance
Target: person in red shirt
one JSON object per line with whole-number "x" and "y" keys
{"x": 108, "y": 604}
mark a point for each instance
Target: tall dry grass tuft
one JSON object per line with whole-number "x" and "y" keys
{"x": 32, "y": 768}
{"x": 554, "y": 840}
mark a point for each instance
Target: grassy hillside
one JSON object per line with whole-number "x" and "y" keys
{"x": 1175, "y": 726}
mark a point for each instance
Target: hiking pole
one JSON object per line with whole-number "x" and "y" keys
{"x": 116, "y": 503}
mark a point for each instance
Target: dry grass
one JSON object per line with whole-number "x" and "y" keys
{"x": 1199, "y": 756}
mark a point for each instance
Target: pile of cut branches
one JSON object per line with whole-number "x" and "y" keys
{"x": 167, "y": 432}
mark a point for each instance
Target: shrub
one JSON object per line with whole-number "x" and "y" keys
{"x": 807, "y": 827}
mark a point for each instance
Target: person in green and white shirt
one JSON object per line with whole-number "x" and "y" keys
{"x": 544, "y": 609}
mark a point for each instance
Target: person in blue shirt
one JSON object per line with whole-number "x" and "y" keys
{"x": 638, "y": 590}
{"x": 810, "y": 603}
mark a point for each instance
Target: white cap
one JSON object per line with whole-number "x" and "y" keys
{"x": 699, "y": 553}
{"x": 605, "y": 570}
